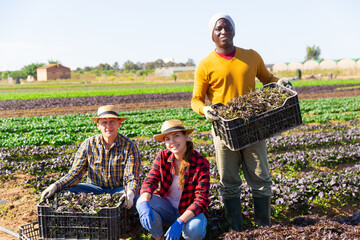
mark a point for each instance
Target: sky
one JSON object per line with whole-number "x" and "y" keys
{"x": 81, "y": 33}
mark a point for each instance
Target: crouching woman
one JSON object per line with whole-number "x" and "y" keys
{"x": 182, "y": 175}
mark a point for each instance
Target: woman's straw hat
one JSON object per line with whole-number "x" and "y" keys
{"x": 107, "y": 111}
{"x": 170, "y": 126}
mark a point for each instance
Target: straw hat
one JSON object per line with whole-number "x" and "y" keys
{"x": 170, "y": 126}
{"x": 107, "y": 111}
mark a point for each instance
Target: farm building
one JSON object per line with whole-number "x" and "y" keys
{"x": 310, "y": 65}
{"x": 328, "y": 64}
{"x": 53, "y": 72}
{"x": 346, "y": 63}
{"x": 293, "y": 66}
{"x": 168, "y": 71}
{"x": 278, "y": 67}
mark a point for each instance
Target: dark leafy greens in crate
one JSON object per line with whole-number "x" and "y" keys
{"x": 67, "y": 201}
{"x": 258, "y": 120}
{"x": 71, "y": 218}
{"x": 252, "y": 104}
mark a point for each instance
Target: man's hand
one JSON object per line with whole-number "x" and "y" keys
{"x": 285, "y": 82}
{"x": 146, "y": 215}
{"x": 175, "y": 230}
{"x": 210, "y": 113}
{"x": 128, "y": 197}
{"x": 48, "y": 192}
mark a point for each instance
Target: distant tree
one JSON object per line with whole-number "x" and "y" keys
{"x": 116, "y": 66}
{"x": 88, "y": 69}
{"x": 129, "y": 65}
{"x": 18, "y": 74}
{"x": 180, "y": 65}
{"x": 190, "y": 62}
{"x": 159, "y": 63}
{"x": 312, "y": 53}
{"x": 103, "y": 67}
{"x": 31, "y": 69}
{"x": 50, "y": 61}
{"x": 140, "y": 66}
{"x": 169, "y": 64}
{"x": 79, "y": 70}
{"x": 150, "y": 65}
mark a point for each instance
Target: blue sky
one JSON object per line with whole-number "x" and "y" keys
{"x": 82, "y": 33}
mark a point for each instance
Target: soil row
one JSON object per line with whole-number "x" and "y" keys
{"x": 63, "y": 106}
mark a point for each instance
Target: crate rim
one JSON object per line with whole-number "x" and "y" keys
{"x": 119, "y": 205}
{"x": 248, "y": 120}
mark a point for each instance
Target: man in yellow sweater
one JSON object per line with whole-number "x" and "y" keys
{"x": 226, "y": 73}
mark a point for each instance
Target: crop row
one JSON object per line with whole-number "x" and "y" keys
{"x": 110, "y": 91}
{"x": 91, "y": 101}
{"x": 325, "y": 88}
{"x": 303, "y": 159}
{"x": 164, "y": 94}
{"x": 71, "y": 129}
{"x": 51, "y": 91}
{"x": 317, "y": 145}
{"x": 330, "y": 105}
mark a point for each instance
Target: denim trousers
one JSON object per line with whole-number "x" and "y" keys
{"x": 252, "y": 160}
{"x": 166, "y": 214}
{"x": 88, "y": 188}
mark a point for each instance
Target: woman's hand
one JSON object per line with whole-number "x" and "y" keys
{"x": 174, "y": 232}
{"x": 146, "y": 215}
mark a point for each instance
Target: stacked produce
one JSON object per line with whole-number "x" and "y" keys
{"x": 82, "y": 202}
{"x": 252, "y": 104}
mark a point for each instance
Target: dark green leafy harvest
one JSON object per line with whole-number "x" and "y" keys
{"x": 82, "y": 202}
{"x": 252, "y": 104}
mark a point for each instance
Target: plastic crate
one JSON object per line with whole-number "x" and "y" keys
{"x": 106, "y": 224}
{"x": 237, "y": 133}
{"x": 29, "y": 231}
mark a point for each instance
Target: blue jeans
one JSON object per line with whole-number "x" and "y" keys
{"x": 166, "y": 214}
{"x": 88, "y": 188}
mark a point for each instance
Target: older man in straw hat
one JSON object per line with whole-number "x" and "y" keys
{"x": 111, "y": 160}
{"x": 226, "y": 73}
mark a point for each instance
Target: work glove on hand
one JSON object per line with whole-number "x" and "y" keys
{"x": 285, "y": 82}
{"x": 210, "y": 113}
{"x": 128, "y": 197}
{"x": 174, "y": 232}
{"x": 146, "y": 215}
{"x": 48, "y": 192}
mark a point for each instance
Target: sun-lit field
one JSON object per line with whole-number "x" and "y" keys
{"x": 315, "y": 167}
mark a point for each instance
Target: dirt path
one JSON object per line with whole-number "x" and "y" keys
{"x": 20, "y": 207}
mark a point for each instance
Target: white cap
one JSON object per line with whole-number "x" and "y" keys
{"x": 215, "y": 18}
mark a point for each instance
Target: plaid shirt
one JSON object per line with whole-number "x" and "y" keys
{"x": 105, "y": 167}
{"x": 195, "y": 195}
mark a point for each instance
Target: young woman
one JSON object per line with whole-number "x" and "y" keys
{"x": 176, "y": 190}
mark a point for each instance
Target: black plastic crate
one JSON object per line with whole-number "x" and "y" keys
{"x": 29, "y": 231}
{"x": 237, "y": 133}
{"x": 108, "y": 223}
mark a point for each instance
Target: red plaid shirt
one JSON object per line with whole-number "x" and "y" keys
{"x": 195, "y": 195}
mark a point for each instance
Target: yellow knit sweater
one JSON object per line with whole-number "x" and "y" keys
{"x": 222, "y": 80}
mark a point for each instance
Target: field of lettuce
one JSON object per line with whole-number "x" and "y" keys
{"x": 315, "y": 167}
